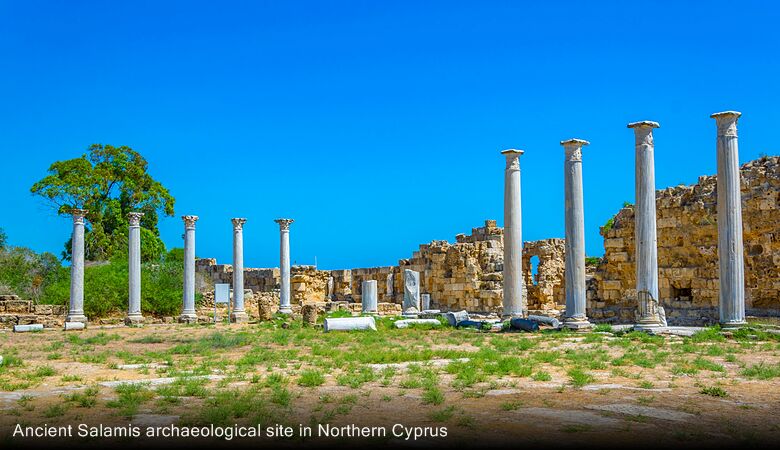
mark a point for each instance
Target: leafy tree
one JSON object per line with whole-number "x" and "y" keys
{"x": 108, "y": 182}
{"x": 3, "y": 239}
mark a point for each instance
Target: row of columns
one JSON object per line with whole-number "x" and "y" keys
{"x": 188, "y": 314}
{"x": 730, "y": 246}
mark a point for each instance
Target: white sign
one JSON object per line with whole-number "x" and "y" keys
{"x": 222, "y": 293}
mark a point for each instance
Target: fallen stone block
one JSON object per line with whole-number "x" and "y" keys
{"x": 350, "y": 324}
{"x": 410, "y": 322}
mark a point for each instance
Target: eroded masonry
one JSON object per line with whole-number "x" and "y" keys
{"x": 467, "y": 274}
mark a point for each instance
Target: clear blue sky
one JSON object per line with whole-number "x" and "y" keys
{"x": 377, "y": 126}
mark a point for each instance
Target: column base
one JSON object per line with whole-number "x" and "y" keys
{"x": 134, "y": 320}
{"x": 285, "y": 310}
{"x": 577, "y": 324}
{"x": 76, "y": 318}
{"x": 239, "y": 317}
{"x": 650, "y": 327}
{"x": 188, "y": 318}
{"x": 728, "y": 326}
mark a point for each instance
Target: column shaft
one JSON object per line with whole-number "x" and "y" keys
{"x": 575, "y": 236}
{"x": 369, "y": 297}
{"x": 238, "y": 314}
{"x": 284, "y": 265}
{"x": 646, "y": 253}
{"x": 513, "y": 239}
{"x": 76, "y": 310}
{"x": 730, "y": 245}
{"x": 188, "y": 314}
{"x": 134, "y": 269}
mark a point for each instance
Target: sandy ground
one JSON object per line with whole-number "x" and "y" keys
{"x": 637, "y": 407}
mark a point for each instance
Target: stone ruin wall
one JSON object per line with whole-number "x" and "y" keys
{"x": 466, "y": 274}
{"x": 688, "y": 251}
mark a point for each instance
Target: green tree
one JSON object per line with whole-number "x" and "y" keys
{"x": 108, "y": 182}
{"x": 3, "y": 239}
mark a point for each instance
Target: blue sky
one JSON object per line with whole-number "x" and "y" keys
{"x": 377, "y": 126}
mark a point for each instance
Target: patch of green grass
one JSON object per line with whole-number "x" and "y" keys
{"x": 646, "y": 384}
{"x": 85, "y": 399}
{"x": 711, "y": 334}
{"x": 511, "y": 405}
{"x": 442, "y": 415}
{"x": 57, "y": 410}
{"x": 150, "y": 339}
{"x": 44, "y": 371}
{"x": 579, "y": 377}
{"x": 11, "y": 360}
{"x": 705, "y": 364}
{"x": 281, "y": 396}
{"x": 433, "y": 396}
{"x": 129, "y": 397}
{"x": 762, "y": 371}
{"x": 99, "y": 339}
{"x": 311, "y": 378}
{"x": 542, "y": 376}
{"x": 603, "y": 328}
{"x": 714, "y": 391}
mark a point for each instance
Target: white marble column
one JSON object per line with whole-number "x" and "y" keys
{"x": 576, "y": 317}
{"x": 730, "y": 247}
{"x": 188, "y": 314}
{"x": 76, "y": 311}
{"x": 239, "y": 313}
{"x": 284, "y": 265}
{"x": 368, "y": 298}
{"x": 513, "y": 239}
{"x": 646, "y": 252}
{"x": 134, "y": 316}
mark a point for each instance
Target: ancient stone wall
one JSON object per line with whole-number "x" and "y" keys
{"x": 14, "y": 311}
{"x": 688, "y": 251}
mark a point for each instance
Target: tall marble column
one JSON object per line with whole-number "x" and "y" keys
{"x": 239, "y": 313}
{"x": 284, "y": 265}
{"x": 134, "y": 316}
{"x": 645, "y": 226}
{"x": 76, "y": 311}
{"x": 513, "y": 239}
{"x": 188, "y": 314}
{"x": 730, "y": 247}
{"x": 576, "y": 317}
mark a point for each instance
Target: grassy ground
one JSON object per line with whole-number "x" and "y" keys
{"x": 602, "y": 387}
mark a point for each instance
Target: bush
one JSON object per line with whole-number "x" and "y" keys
{"x": 106, "y": 291}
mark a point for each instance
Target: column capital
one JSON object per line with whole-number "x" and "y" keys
{"x": 644, "y": 124}
{"x": 238, "y": 223}
{"x": 573, "y": 148}
{"x": 512, "y": 157}
{"x": 134, "y": 218}
{"x": 727, "y": 122}
{"x": 189, "y": 221}
{"x": 78, "y": 215}
{"x": 284, "y": 224}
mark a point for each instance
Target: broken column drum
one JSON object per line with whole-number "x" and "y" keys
{"x": 188, "y": 314}
{"x": 731, "y": 296}
{"x": 646, "y": 240}
{"x": 76, "y": 310}
{"x": 513, "y": 240}
{"x": 369, "y": 297}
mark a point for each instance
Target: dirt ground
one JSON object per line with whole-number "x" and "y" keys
{"x": 417, "y": 387}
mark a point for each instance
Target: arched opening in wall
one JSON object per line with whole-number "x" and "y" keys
{"x": 535, "y": 269}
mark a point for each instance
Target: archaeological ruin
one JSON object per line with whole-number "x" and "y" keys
{"x": 685, "y": 255}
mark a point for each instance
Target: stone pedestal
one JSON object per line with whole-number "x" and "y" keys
{"x": 134, "y": 316}
{"x": 513, "y": 239}
{"x": 730, "y": 247}
{"x": 576, "y": 317}
{"x": 645, "y": 227}
{"x": 284, "y": 265}
{"x": 238, "y": 314}
{"x": 76, "y": 310}
{"x": 188, "y": 314}
{"x": 369, "y": 297}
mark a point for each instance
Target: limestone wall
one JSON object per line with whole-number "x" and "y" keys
{"x": 14, "y": 311}
{"x": 688, "y": 251}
